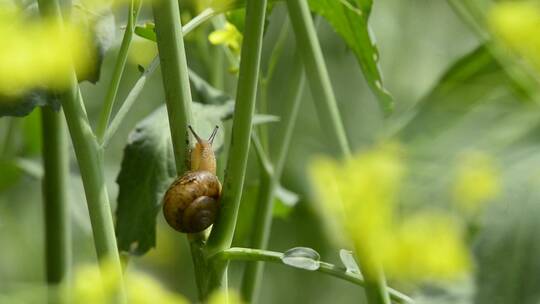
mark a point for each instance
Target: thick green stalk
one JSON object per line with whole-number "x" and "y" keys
{"x": 262, "y": 221}
{"x": 55, "y": 204}
{"x": 90, "y": 162}
{"x": 325, "y": 102}
{"x": 257, "y": 255}
{"x": 317, "y": 74}
{"x": 133, "y": 12}
{"x": 223, "y": 230}
{"x": 174, "y": 70}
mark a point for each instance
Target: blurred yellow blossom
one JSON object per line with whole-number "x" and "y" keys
{"x": 142, "y": 51}
{"x": 362, "y": 195}
{"x": 476, "y": 181}
{"x": 228, "y": 36}
{"x": 95, "y": 285}
{"x": 225, "y": 297}
{"x": 38, "y": 54}
{"x": 516, "y": 24}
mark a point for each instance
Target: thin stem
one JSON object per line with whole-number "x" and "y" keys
{"x": 262, "y": 221}
{"x": 133, "y": 12}
{"x": 175, "y": 76}
{"x": 265, "y": 80}
{"x": 326, "y": 105}
{"x": 139, "y": 85}
{"x": 130, "y": 100}
{"x": 55, "y": 204}
{"x": 248, "y": 254}
{"x": 90, "y": 162}
{"x": 223, "y": 230}
{"x": 317, "y": 74}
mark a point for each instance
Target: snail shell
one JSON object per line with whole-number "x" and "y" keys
{"x": 191, "y": 203}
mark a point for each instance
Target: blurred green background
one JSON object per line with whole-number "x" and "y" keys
{"x": 418, "y": 41}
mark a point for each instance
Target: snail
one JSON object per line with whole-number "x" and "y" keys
{"x": 191, "y": 203}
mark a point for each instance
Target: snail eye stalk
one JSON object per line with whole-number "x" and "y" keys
{"x": 213, "y": 135}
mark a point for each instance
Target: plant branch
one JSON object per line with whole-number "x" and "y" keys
{"x": 262, "y": 221}
{"x": 55, "y": 204}
{"x": 258, "y": 255}
{"x": 326, "y": 105}
{"x": 317, "y": 74}
{"x": 223, "y": 230}
{"x": 91, "y": 167}
{"x": 139, "y": 85}
{"x": 133, "y": 12}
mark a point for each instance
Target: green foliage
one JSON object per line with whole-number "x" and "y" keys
{"x": 23, "y": 105}
{"x": 349, "y": 19}
{"x": 148, "y": 168}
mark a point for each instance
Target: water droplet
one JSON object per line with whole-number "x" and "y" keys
{"x": 378, "y": 84}
{"x": 375, "y": 56}
{"x": 347, "y": 258}
{"x": 302, "y": 257}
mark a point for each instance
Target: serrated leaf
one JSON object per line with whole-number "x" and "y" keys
{"x": 349, "y": 18}
{"x": 24, "y": 104}
{"x": 285, "y": 201}
{"x": 148, "y": 168}
{"x": 468, "y": 82}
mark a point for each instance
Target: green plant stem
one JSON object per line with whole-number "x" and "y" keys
{"x": 265, "y": 80}
{"x": 223, "y": 230}
{"x": 262, "y": 221}
{"x": 175, "y": 71}
{"x": 90, "y": 162}
{"x": 136, "y": 90}
{"x": 110, "y": 97}
{"x": 326, "y": 105}
{"x": 175, "y": 76}
{"x": 317, "y": 74}
{"x": 258, "y": 255}
{"x": 55, "y": 204}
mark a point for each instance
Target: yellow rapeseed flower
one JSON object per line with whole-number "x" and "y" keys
{"x": 38, "y": 54}
{"x": 228, "y": 36}
{"x": 476, "y": 182}
{"x": 93, "y": 284}
{"x": 362, "y": 195}
{"x": 225, "y": 297}
{"x": 516, "y": 24}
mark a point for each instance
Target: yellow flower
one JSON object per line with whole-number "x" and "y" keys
{"x": 38, "y": 54}
{"x": 362, "y": 195}
{"x": 516, "y": 24}
{"x": 225, "y": 297}
{"x": 476, "y": 182}
{"x": 93, "y": 284}
{"x": 228, "y": 36}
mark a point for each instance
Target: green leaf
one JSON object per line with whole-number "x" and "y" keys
{"x": 285, "y": 201}
{"x": 349, "y": 18}
{"x": 147, "y": 31}
{"x": 24, "y": 104}
{"x": 148, "y": 168}
{"x": 507, "y": 250}
{"x": 468, "y": 82}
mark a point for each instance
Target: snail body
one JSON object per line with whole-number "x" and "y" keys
{"x": 191, "y": 203}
